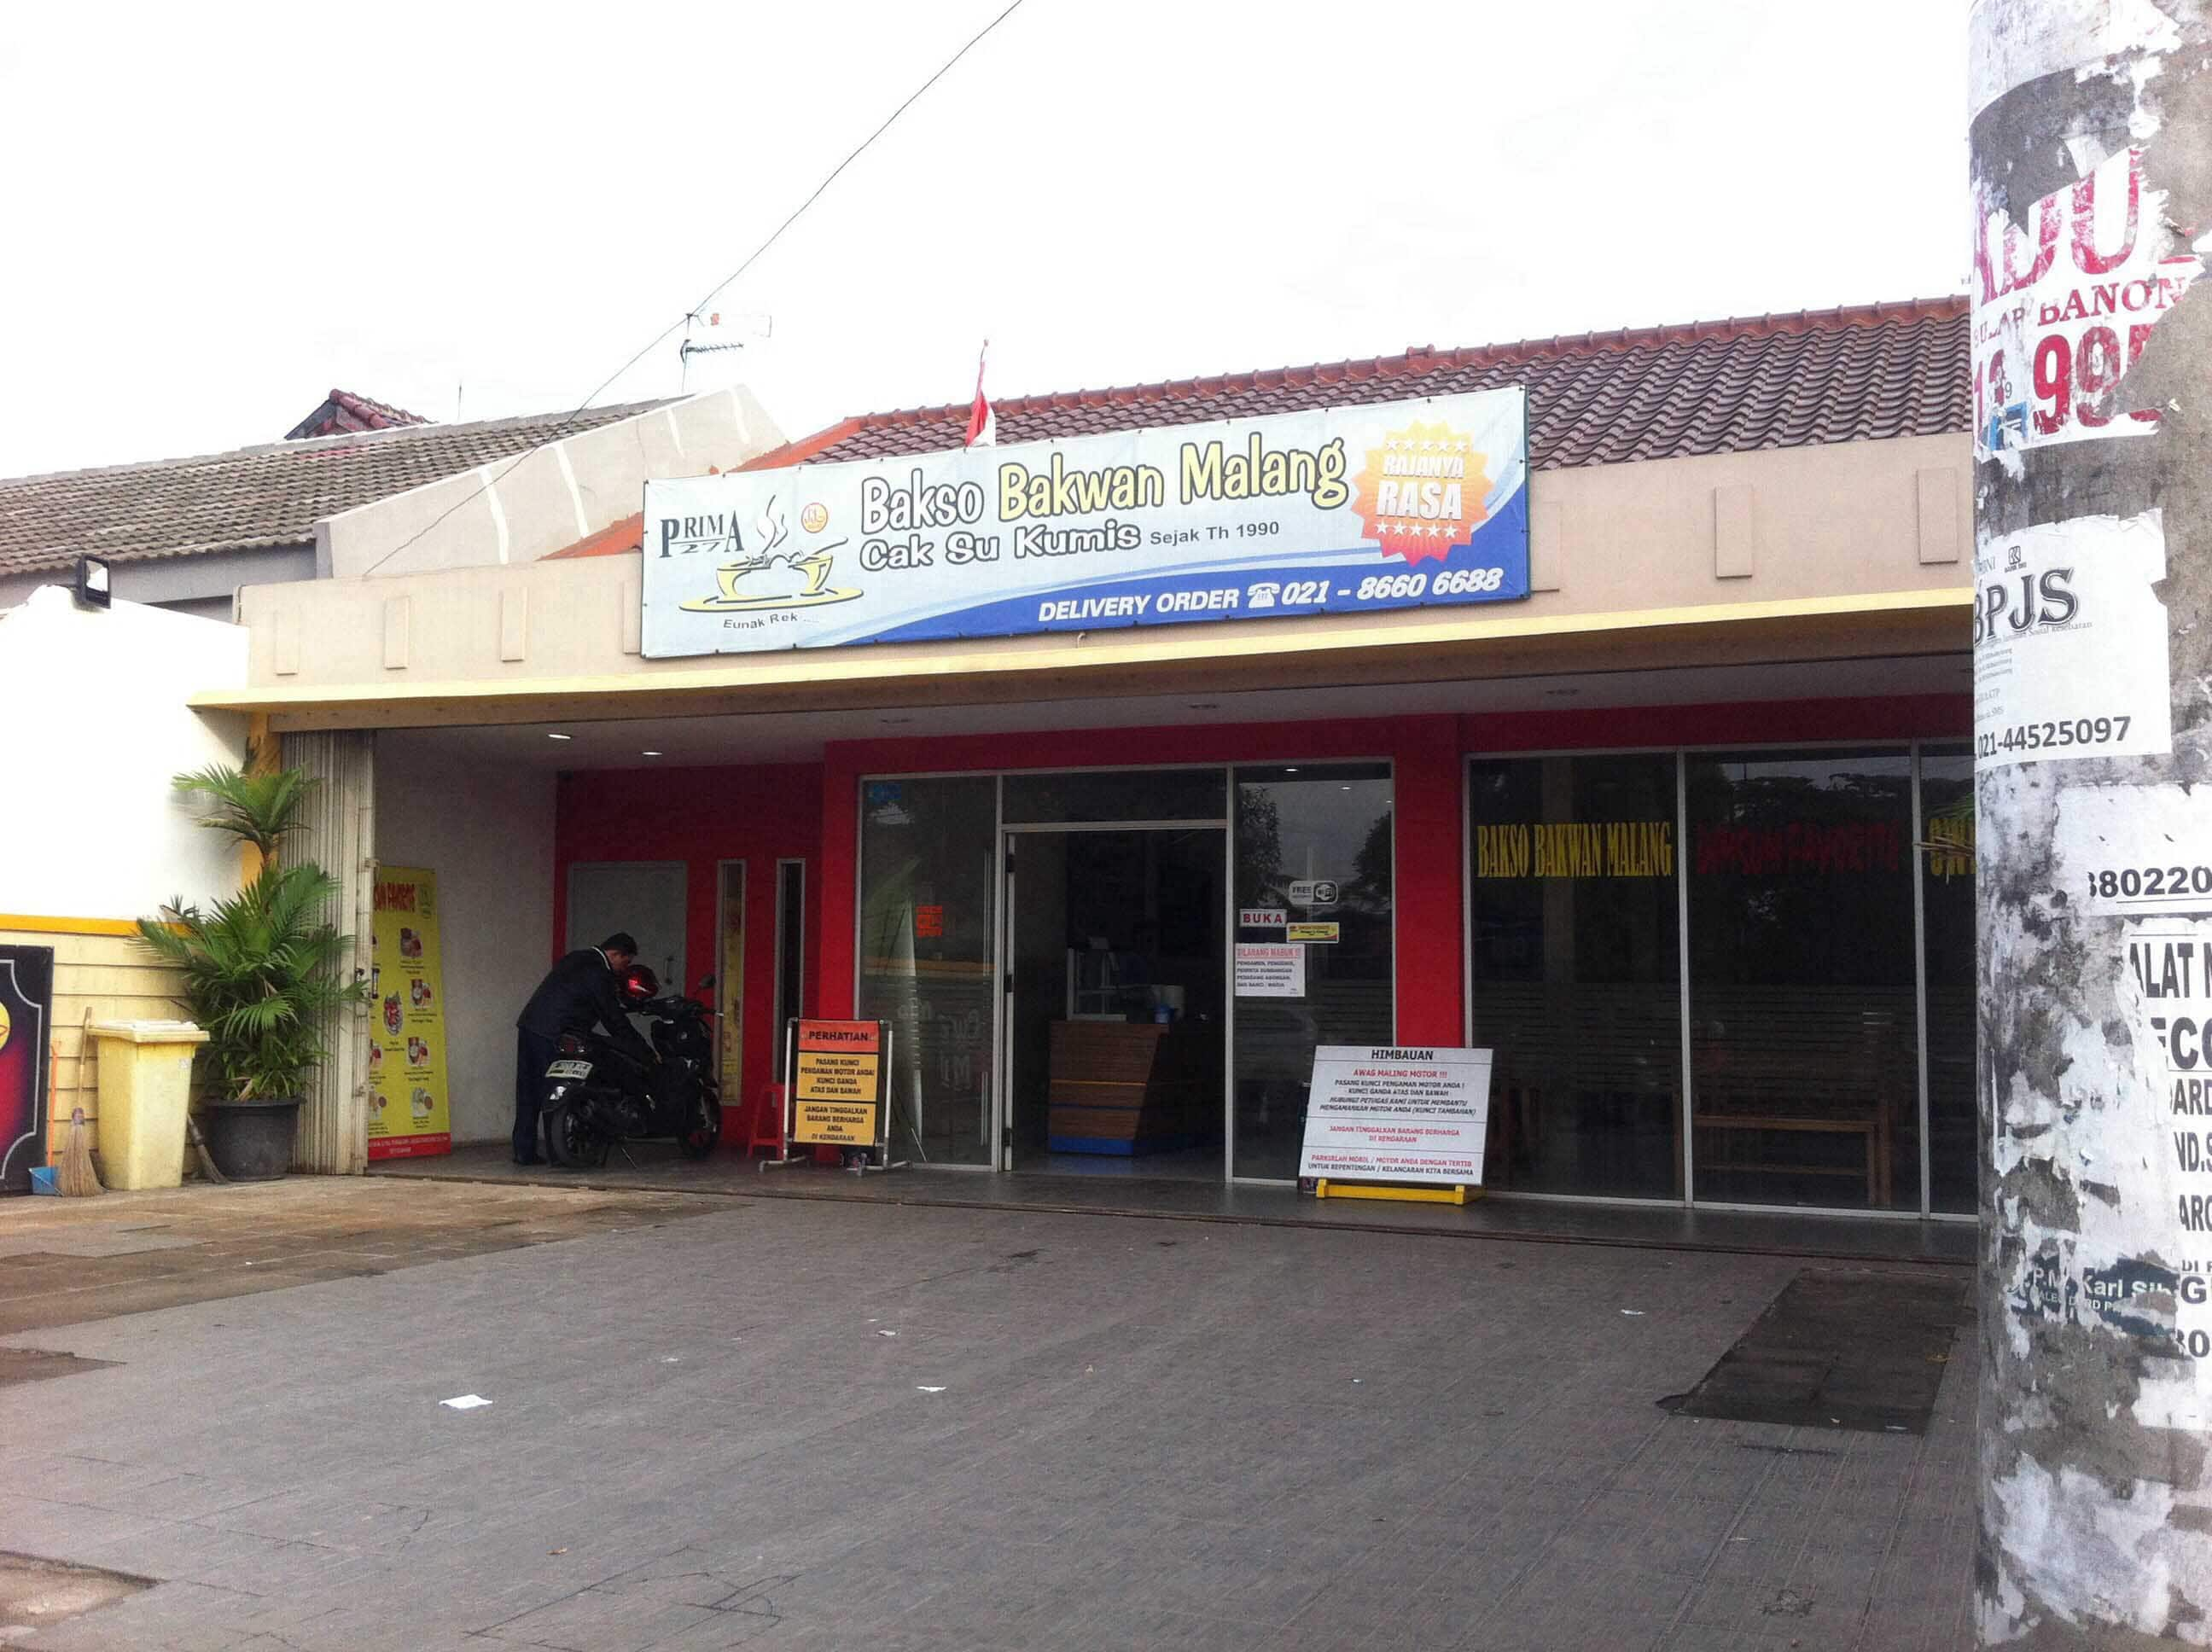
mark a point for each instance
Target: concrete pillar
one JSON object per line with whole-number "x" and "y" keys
{"x": 340, "y": 837}
{"x": 2092, "y": 176}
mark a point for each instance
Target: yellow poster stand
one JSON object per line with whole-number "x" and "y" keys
{"x": 409, "y": 1111}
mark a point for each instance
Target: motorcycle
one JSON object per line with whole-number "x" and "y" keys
{"x": 597, "y": 1095}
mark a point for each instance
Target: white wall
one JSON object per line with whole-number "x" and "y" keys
{"x": 97, "y": 725}
{"x": 488, "y": 834}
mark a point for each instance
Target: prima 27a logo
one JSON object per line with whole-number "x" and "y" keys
{"x": 773, "y": 571}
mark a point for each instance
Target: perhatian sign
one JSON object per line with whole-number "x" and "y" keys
{"x": 837, "y": 1082}
{"x": 1390, "y": 504}
{"x": 1388, "y": 1113}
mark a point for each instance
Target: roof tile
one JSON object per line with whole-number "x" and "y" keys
{"x": 1864, "y": 373}
{"x": 250, "y": 497}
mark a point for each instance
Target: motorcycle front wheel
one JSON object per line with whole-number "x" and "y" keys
{"x": 705, "y": 1127}
{"x": 570, "y": 1140}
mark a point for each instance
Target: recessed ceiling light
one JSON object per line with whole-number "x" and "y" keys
{"x": 1292, "y": 769}
{"x": 649, "y": 754}
{"x": 1347, "y": 786}
{"x": 560, "y": 736}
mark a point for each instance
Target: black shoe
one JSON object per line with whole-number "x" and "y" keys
{"x": 532, "y": 1159}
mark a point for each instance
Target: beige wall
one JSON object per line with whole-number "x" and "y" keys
{"x": 517, "y": 511}
{"x": 1797, "y": 533}
{"x": 113, "y": 978}
{"x": 489, "y": 836}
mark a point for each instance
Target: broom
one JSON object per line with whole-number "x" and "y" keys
{"x": 77, "y": 1177}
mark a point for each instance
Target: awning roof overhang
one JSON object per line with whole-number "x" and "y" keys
{"x": 1401, "y": 647}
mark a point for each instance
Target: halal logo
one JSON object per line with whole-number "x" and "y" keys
{"x": 5, "y": 1027}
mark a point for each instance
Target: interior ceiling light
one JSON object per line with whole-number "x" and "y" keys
{"x": 560, "y": 736}
{"x": 649, "y": 754}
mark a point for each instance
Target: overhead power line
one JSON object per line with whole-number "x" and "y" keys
{"x": 568, "y": 423}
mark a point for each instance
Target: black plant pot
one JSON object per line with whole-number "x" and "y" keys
{"x": 251, "y": 1141}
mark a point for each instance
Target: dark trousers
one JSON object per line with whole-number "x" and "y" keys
{"x": 533, "y": 1054}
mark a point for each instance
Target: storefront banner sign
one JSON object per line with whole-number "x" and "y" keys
{"x": 1389, "y": 1113}
{"x": 408, "y": 1113}
{"x": 837, "y": 1082}
{"x": 26, "y": 988}
{"x": 2066, "y": 294}
{"x": 1311, "y": 892}
{"x": 1261, "y": 917}
{"x": 1319, "y": 934}
{"x": 1337, "y": 510}
{"x": 1270, "y": 970}
{"x": 2070, "y": 648}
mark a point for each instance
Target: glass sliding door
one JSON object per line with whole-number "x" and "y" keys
{"x": 929, "y": 875}
{"x": 1947, "y": 905}
{"x": 1313, "y": 872}
{"x": 1803, "y": 1028}
{"x": 1576, "y": 976}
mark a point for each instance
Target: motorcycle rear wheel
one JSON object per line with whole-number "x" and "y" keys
{"x": 706, "y": 1130}
{"x": 570, "y": 1141}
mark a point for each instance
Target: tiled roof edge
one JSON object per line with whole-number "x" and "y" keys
{"x": 1420, "y": 359}
{"x": 613, "y": 415}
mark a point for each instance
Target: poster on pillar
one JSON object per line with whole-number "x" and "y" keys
{"x": 2070, "y": 645}
{"x": 27, "y": 986}
{"x": 2067, "y": 292}
{"x": 1337, "y": 510}
{"x": 407, "y": 1116}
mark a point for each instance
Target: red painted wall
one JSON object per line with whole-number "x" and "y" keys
{"x": 703, "y": 816}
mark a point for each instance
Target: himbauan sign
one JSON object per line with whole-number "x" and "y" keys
{"x": 1393, "y": 505}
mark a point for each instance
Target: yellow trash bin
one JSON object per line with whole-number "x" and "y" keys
{"x": 145, "y": 1087}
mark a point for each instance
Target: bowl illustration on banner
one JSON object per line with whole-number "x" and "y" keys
{"x": 411, "y": 944}
{"x": 418, "y": 993}
{"x": 391, "y": 1012}
{"x": 418, "y": 1052}
{"x": 419, "y": 1104}
{"x": 378, "y": 1102}
{"x": 775, "y": 576}
{"x": 375, "y": 1056}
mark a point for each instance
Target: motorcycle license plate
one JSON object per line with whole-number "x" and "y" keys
{"x": 569, "y": 1070}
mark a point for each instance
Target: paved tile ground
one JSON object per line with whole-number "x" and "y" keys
{"x": 64, "y": 1261}
{"x": 655, "y": 1166}
{"x": 797, "y": 1424}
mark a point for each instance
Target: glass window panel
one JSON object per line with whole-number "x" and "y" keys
{"x": 1297, "y": 825}
{"x": 1116, "y": 794}
{"x": 928, "y": 881}
{"x": 1946, "y": 893}
{"x": 1804, "y": 1060}
{"x": 1578, "y": 970}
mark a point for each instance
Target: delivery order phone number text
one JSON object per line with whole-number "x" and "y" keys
{"x": 2050, "y": 736}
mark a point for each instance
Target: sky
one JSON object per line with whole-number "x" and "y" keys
{"x": 220, "y": 213}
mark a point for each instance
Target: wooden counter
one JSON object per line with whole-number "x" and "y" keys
{"x": 1134, "y": 1087}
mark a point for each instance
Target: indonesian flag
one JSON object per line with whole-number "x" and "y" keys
{"x": 982, "y": 422}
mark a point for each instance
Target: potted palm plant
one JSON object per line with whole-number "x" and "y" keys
{"x": 264, "y": 972}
